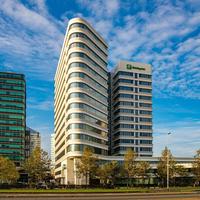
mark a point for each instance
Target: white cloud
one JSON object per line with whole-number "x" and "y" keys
{"x": 101, "y": 8}
{"x": 39, "y": 6}
{"x": 144, "y": 41}
{"x": 31, "y": 36}
{"x": 28, "y": 18}
{"x": 46, "y": 105}
{"x": 142, "y": 36}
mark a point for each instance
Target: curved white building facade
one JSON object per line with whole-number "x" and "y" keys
{"x": 81, "y": 98}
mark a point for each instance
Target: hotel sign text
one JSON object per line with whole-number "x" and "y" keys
{"x": 129, "y": 66}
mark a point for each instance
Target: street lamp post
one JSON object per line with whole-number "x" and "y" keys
{"x": 167, "y": 169}
{"x": 168, "y": 162}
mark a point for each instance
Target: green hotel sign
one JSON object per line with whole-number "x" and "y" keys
{"x": 129, "y": 66}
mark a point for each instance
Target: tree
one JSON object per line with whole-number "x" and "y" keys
{"x": 162, "y": 166}
{"x": 142, "y": 169}
{"x": 130, "y": 164}
{"x": 180, "y": 172}
{"x": 107, "y": 172}
{"x": 37, "y": 166}
{"x": 87, "y": 165}
{"x": 196, "y": 168}
{"x": 8, "y": 171}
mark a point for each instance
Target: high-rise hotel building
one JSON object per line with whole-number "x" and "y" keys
{"x": 12, "y": 116}
{"x": 81, "y": 98}
{"x": 131, "y": 109}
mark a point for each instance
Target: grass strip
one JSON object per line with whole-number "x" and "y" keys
{"x": 101, "y": 190}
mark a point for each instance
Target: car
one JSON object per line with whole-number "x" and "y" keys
{"x": 41, "y": 185}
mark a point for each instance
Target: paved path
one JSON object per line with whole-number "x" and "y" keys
{"x": 103, "y": 196}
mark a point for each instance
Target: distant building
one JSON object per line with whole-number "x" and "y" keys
{"x": 32, "y": 140}
{"x": 27, "y": 144}
{"x": 12, "y": 116}
{"x": 52, "y": 150}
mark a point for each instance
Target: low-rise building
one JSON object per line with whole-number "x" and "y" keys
{"x": 76, "y": 179}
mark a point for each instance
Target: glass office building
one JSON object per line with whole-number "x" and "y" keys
{"x": 12, "y": 116}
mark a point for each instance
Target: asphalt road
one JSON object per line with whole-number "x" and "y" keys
{"x": 114, "y": 196}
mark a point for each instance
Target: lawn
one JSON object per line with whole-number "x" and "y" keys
{"x": 101, "y": 190}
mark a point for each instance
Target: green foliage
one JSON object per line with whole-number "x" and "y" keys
{"x": 130, "y": 164}
{"x": 8, "y": 171}
{"x": 99, "y": 190}
{"x": 87, "y": 165}
{"x": 196, "y": 168}
{"x": 37, "y": 166}
{"x": 181, "y": 171}
{"x": 107, "y": 173}
{"x": 162, "y": 166}
{"x": 142, "y": 169}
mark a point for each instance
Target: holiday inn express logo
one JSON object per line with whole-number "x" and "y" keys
{"x": 129, "y": 66}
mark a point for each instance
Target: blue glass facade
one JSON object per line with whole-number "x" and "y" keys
{"x": 12, "y": 116}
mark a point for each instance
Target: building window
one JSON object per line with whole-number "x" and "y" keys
{"x": 81, "y": 147}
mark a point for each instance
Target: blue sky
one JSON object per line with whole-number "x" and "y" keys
{"x": 163, "y": 33}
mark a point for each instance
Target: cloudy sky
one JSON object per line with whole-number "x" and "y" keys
{"x": 163, "y": 33}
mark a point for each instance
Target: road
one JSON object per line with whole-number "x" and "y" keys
{"x": 110, "y": 196}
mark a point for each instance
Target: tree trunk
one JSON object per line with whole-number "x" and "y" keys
{"x": 128, "y": 181}
{"x": 86, "y": 179}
